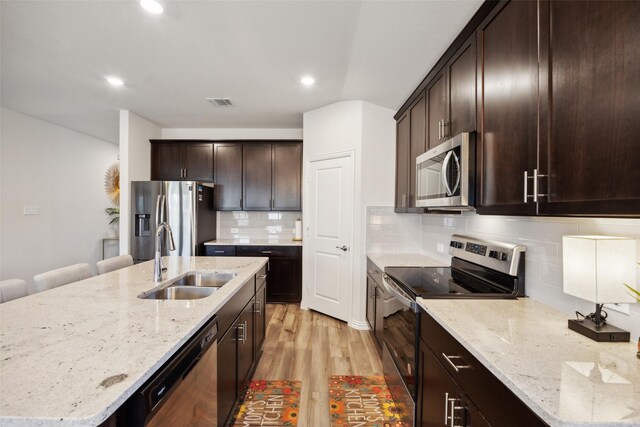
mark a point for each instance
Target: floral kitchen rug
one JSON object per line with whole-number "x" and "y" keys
{"x": 356, "y": 401}
{"x": 269, "y": 403}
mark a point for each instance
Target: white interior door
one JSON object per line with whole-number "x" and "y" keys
{"x": 329, "y": 265}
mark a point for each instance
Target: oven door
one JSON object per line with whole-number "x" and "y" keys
{"x": 443, "y": 175}
{"x": 399, "y": 348}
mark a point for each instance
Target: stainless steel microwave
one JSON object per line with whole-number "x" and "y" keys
{"x": 446, "y": 175}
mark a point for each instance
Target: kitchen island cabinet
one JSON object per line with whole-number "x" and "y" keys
{"x": 102, "y": 342}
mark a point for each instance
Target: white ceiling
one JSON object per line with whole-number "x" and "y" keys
{"x": 55, "y": 55}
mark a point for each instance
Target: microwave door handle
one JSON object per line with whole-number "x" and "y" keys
{"x": 445, "y": 166}
{"x": 457, "y": 184}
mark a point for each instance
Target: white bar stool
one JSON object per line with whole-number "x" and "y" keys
{"x": 115, "y": 263}
{"x": 61, "y": 276}
{"x": 11, "y": 289}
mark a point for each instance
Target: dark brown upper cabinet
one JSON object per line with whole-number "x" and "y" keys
{"x": 228, "y": 176}
{"x": 411, "y": 142}
{"x": 258, "y": 176}
{"x": 590, "y": 108}
{"x": 181, "y": 161}
{"x": 256, "y": 171}
{"x": 507, "y": 105}
{"x": 437, "y": 109}
{"x": 287, "y": 176}
{"x": 403, "y": 142}
{"x": 461, "y": 90}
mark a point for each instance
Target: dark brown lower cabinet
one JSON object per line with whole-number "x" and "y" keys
{"x": 442, "y": 402}
{"x": 260, "y": 317}
{"x": 227, "y": 368}
{"x": 449, "y": 374}
{"x": 246, "y": 353}
{"x": 284, "y": 277}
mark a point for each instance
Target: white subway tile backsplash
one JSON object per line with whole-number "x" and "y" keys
{"x": 389, "y": 232}
{"x": 257, "y": 225}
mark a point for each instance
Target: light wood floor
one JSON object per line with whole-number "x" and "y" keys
{"x": 307, "y": 346}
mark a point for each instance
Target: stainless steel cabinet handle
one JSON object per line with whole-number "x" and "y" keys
{"x": 243, "y": 327}
{"x": 525, "y": 187}
{"x": 536, "y": 176}
{"x": 404, "y": 200}
{"x": 453, "y": 417}
{"x": 257, "y": 307}
{"x": 453, "y": 365}
{"x": 446, "y": 408}
{"x": 444, "y": 126}
{"x": 261, "y": 276}
{"x": 218, "y": 252}
{"x": 439, "y": 129}
{"x": 266, "y": 252}
{"x": 343, "y": 248}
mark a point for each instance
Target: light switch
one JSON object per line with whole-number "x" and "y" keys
{"x": 31, "y": 210}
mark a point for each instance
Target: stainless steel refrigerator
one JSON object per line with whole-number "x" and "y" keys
{"x": 186, "y": 205}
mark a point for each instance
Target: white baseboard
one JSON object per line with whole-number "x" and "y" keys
{"x": 359, "y": 325}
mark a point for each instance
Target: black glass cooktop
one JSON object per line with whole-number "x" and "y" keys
{"x": 465, "y": 280}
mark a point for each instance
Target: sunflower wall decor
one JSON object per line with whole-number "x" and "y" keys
{"x": 112, "y": 188}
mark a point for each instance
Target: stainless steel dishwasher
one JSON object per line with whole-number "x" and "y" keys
{"x": 184, "y": 391}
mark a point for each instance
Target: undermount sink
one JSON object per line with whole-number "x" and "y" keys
{"x": 206, "y": 280}
{"x": 192, "y": 286}
{"x": 181, "y": 293}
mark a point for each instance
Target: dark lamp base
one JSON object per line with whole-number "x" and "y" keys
{"x": 605, "y": 333}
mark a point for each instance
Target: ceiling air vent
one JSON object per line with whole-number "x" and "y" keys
{"x": 220, "y": 102}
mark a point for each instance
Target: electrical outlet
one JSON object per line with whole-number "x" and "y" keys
{"x": 622, "y": 308}
{"x": 234, "y": 231}
{"x": 31, "y": 210}
{"x": 440, "y": 248}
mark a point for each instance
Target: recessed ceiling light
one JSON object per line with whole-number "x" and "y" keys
{"x": 152, "y": 6}
{"x": 115, "y": 81}
{"x": 307, "y": 80}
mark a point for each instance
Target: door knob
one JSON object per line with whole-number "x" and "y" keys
{"x": 343, "y": 247}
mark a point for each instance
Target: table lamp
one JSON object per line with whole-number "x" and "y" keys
{"x": 595, "y": 268}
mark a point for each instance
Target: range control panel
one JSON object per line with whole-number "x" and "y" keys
{"x": 503, "y": 257}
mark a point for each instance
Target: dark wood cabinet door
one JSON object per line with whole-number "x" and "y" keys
{"x": 435, "y": 389}
{"x": 417, "y": 145}
{"x": 508, "y": 105}
{"x": 284, "y": 281}
{"x": 245, "y": 344}
{"x": 228, "y": 176}
{"x": 256, "y": 171}
{"x": 590, "y": 109}
{"x": 461, "y": 82}
{"x": 260, "y": 318}
{"x": 287, "y": 176}
{"x": 227, "y": 375}
{"x": 436, "y": 110}
{"x": 403, "y": 142}
{"x": 198, "y": 162}
{"x": 166, "y": 162}
{"x": 371, "y": 303}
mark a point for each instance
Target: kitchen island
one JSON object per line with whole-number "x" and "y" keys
{"x": 71, "y": 356}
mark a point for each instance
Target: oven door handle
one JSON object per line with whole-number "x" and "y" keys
{"x": 404, "y": 299}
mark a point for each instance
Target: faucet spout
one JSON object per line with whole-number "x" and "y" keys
{"x": 163, "y": 229}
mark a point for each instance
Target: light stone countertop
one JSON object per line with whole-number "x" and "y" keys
{"x": 58, "y": 347}
{"x": 254, "y": 242}
{"x": 383, "y": 260}
{"x": 567, "y": 379}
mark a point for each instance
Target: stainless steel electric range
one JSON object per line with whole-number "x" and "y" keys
{"x": 479, "y": 269}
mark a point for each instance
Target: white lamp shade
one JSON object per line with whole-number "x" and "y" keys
{"x": 595, "y": 268}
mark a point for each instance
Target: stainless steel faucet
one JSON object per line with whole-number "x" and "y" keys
{"x": 157, "y": 267}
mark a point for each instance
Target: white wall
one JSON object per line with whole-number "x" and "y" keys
{"x": 390, "y": 232}
{"x": 135, "y": 164}
{"x": 369, "y": 132}
{"x": 62, "y": 173}
{"x": 240, "y": 133}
